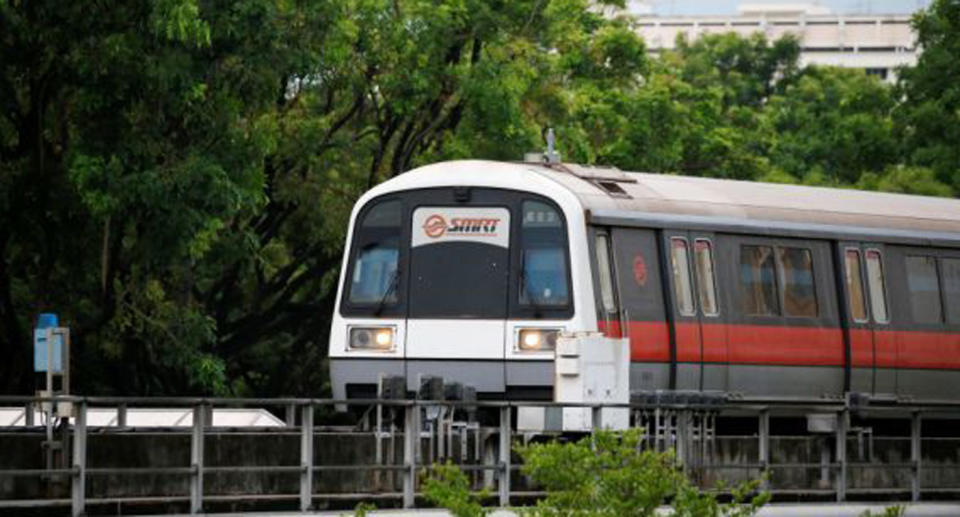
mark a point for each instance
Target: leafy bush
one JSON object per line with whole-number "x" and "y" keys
{"x": 363, "y": 508}
{"x": 890, "y": 511}
{"x": 611, "y": 473}
{"x": 606, "y": 474}
{"x": 447, "y": 486}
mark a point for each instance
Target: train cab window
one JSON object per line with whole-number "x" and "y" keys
{"x": 854, "y": 278}
{"x": 374, "y": 278}
{"x": 924, "y": 285}
{"x": 875, "y": 281}
{"x": 706, "y": 280}
{"x": 543, "y": 278}
{"x": 606, "y": 276}
{"x": 951, "y": 288}
{"x": 758, "y": 281}
{"x": 796, "y": 277}
{"x": 682, "y": 283}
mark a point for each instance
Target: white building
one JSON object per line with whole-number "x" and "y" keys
{"x": 877, "y": 43}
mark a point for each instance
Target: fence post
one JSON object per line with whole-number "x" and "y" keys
{"x": 78, "y": 485}
{"x": 290, "y": 415}
{"x": 196, "y": 459}
{"x": 683, "y": 439}
{"x": 841, "y": 481}
{"x": 764, "y": 445}
{"x": 915, "y": 451}
{"x": 411, "y": 434}
{"x": 505, "y": 439}
{"x": 306, "y": 458}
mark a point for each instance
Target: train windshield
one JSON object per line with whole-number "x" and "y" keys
{"x": 375, "y": 270}
{"x": 543, "y": 267}
{"x": 429, "y": 254}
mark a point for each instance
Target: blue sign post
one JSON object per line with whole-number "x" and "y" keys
{"x": 41, "y": 351}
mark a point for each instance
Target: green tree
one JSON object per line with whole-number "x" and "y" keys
{"x": 110, "y": 178}
{"x": 177, "y": 174}
{"x": 905, "y": 180}
{"x": 834, "y": 122}
{"x": 929, "y": 119}
{"x": 697, "y": 110}
{"x": 747, "y": 70}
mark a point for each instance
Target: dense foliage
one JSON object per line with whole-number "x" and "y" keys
{"x": 606, "y": 474}
{"x": 175, "y": 175}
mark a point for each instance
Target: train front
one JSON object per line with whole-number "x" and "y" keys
{"x": 460, "y": 270}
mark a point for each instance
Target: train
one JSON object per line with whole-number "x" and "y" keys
{"x": 470, "y": 270}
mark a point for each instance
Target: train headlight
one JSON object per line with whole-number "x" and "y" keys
{"x": 371, "y": 338}
{"x": 537, "y": 339}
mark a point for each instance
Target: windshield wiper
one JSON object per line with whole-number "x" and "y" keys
{"x": 394, "y": 280}
{"x": 531, "y": 300}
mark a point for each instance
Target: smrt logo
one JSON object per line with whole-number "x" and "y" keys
{"x": 639, "y": 270}
{"x": 436, "y": 226}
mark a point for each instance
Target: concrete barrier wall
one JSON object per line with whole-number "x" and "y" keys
{"x": 137, "y": 449}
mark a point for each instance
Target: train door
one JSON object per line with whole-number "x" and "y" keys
{"x": 700, "y": 335}
{"x": 713, "y": 324}
{"x": 637, "y": 277}
{"x": 872, "y": 350}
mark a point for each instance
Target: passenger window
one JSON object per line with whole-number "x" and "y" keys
{"x": 375, "y": 276}
{"x": 543, "y": 278}
{"x": 924, "y": 285}
{"x": 606, "y": 277}
{"x": 858, "y": 306}
{"x": 758, "y": 281}
{"x": 706, "y": 281}
{"x": 682, "y": 284}
{"x": 951, "y": 288}
{"x": 875, "y": 281}
{"x": 796, "y": 276}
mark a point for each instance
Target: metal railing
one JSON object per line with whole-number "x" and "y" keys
{"x": 679, "y": 432}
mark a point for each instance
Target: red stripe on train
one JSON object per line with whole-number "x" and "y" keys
{"x": 649, "y": 340}
{"x": 811, "y": 346}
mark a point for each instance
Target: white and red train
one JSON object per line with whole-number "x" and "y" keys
{"x": 469, "y": 270}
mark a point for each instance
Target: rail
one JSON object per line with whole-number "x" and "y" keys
{"x": 680, "y": 434}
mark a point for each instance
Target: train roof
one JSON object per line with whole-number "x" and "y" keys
{"x": 615, "y": 197}
{"x": 643, "y": 199}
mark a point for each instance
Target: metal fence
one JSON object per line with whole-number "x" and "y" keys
{"x": 686, "y": 428}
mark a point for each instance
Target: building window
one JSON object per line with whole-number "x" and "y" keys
{"x": 682, "y": 283}
{"x": 706, "y": 280}
{"x": 879, "y": 72}
{"x": 924, "y": 285}
{"x": 854, "y": 279}
{"x": 758, "y": 281}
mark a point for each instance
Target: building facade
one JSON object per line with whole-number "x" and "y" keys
{"x": 876, "y": 43}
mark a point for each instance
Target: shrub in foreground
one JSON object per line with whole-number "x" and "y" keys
{"x": 606, "y": 474}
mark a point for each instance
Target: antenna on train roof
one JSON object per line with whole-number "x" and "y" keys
{"x": 549, "y": 156}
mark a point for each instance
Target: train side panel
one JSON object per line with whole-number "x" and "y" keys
{"x": 921, "y": 346}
